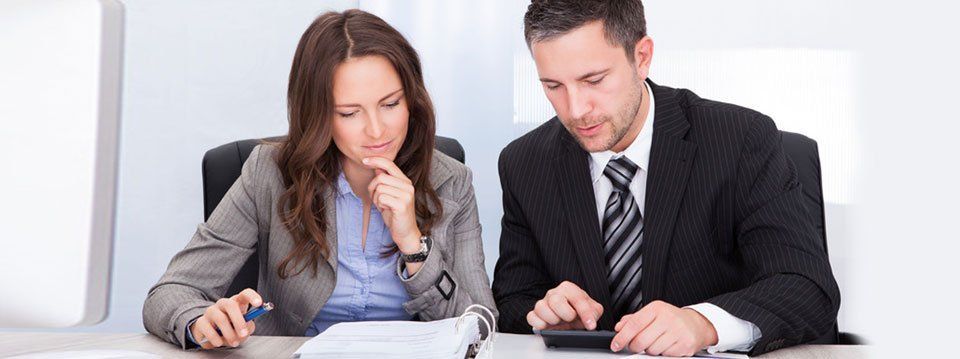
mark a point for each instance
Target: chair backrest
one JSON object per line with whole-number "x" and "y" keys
{"x": 221, "y": 167}
{"x": 805, "y": 155}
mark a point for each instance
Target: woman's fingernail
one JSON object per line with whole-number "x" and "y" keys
{"x": 365, "y": 160}
{"x": 615, "y": 347}
{"x": 244, "y": 332}
{"x": 234, "y": 344}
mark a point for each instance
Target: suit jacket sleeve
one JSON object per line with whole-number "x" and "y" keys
{"x": 465, "y": 268}
{"x": 520, "y": 278}
{"x": 200, "y": 273}
{"x": 793, "y": 297}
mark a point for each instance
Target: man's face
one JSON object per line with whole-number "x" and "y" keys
{"x": 594, "y": 88}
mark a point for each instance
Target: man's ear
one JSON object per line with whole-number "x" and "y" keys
{"x": 643, "y": 56}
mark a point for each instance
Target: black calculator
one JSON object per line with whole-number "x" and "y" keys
{"x": 585, "y": 339}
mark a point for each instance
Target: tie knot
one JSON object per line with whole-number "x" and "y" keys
{"x": 620, "y": 171}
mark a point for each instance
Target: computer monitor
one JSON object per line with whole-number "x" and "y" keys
{"x": 60, "y": 70}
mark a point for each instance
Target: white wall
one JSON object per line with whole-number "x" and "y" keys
{"x": 197, "y": 74}
{"x": 906, "y": 233}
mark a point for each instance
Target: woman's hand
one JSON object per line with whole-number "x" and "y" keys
{"x": 393, "y": 194}
{"x": 227, "y": 316}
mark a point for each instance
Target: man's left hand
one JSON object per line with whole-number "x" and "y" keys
{"x": 660, "y": 328}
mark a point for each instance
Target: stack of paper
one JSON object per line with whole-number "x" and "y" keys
{"x": 395, "y": 339}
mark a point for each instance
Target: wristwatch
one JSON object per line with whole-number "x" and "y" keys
{"x": 420, "y": 256}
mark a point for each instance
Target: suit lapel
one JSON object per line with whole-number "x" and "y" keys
{"x": 671, "y": 157}
{"x": 439, "y": 172}
{"x": 579, "y": 203}
{"x": 313, "y": 292}
{"x": 329, "y": 195}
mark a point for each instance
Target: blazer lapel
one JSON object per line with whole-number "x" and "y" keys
{"x": 313, "y": 292}
{"x": 579, "y": 203}
{"x": 329, "y": 195}
{"x": 439, "y": 172}
{"x": 671, "y": 157}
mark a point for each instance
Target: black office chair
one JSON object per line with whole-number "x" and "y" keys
{"x": 221, "y": 167}
{"x": 804, "y": 153}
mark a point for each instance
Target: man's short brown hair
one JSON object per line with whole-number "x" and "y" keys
{"x": 623, "y": 20}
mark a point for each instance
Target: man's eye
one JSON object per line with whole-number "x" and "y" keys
{"x": 553, "y": 87}
{"x": 596, "y": 82}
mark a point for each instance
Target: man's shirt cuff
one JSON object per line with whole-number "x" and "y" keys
{"x": 732, "y": 333}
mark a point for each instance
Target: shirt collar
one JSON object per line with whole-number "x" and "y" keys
{"x": 638, "y": 151}
{"x": 343, "y": 187}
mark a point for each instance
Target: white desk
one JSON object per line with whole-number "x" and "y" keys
{"x": 506, "y": 346}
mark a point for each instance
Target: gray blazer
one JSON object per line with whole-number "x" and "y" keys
{"x": 247, "y": 220}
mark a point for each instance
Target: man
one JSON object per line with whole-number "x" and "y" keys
{"x": 673, "y": 220}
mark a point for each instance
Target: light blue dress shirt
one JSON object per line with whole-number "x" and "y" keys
{"x": 368, "y": 287}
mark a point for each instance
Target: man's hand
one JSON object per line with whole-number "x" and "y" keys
{"x": 660, "y": 328}
{"x": 565, "y": 307}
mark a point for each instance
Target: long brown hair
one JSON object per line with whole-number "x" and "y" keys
{"x": 308, "y": 158}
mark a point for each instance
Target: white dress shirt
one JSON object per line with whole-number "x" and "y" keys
{"x": 732, "y": 333}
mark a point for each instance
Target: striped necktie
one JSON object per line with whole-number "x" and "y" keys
{"x": 622, "y": 234}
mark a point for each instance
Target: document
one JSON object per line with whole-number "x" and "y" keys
{"x": 448, "y": 338}
{"x": 702, "y": 354}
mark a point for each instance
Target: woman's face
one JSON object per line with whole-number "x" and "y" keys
{"x": 371, "y": 115}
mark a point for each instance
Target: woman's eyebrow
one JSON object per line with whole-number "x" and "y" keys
{"x": 394, "y": 92}
{"x": 384, "y": 98}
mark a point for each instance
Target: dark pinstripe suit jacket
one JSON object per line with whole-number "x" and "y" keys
{"x": 724, "y": 223}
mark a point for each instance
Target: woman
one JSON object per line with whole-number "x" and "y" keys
{"x": 354, "y": 215}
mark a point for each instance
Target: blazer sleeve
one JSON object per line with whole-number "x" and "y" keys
{"x": 520, "y": 278}
{"x": 793, "y": 297}
{"x": 200, "y": 274}
{"x": 462, "y": 277}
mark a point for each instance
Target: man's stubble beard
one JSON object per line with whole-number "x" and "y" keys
{"x": 620, "y": 126}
